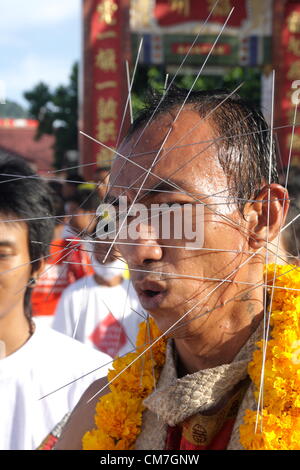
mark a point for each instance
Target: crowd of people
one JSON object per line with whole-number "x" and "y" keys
{"x": 65, "y": 314}
{"x": 54, "y": 297}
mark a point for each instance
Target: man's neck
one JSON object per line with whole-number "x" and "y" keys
{"x": 193, "y": 356}
{"x": 14, "y": 333}
{"x": 58, "y": 232}
{"x": 115, "y": 281}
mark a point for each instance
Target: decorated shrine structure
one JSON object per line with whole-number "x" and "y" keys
{"x": 261, "y": 34}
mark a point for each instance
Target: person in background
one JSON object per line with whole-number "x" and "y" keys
{"x": 57, "y": 187}
{"x": 101, "y": 178}
{"x": 69, "y": 189}
{"x": 34, "y": 361}
{"x": 67, "y": 262}
{"x": 73, "y": 179}
{"x": 81, "y": 210}
{"x": 101, "y": 310}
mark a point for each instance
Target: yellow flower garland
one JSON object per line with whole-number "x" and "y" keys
{"x": 119, "y": 413}
{"x": 280, "y": 417}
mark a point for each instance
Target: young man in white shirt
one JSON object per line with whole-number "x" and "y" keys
{"x": 101, "y": 310}
{"x": 42, "y": 372}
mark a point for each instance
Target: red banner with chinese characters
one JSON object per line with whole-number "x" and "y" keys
{"x": 170, "y": 12}
{"x": 287, "y": 66}
{"x": 201, "y": 49}
{"x": 291, "y": 65}
{"x": 105, "y": 49}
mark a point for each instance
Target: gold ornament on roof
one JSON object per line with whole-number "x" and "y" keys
{"x": 220, "y": 10}
{"x": 182, "y": 7}
{"x": 106, "y": 10}
{"x": 294, "y": 22}
{"x": 141, "y": 12}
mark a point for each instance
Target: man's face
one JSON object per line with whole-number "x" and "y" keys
{"x": 102, "y": 180}
{"x": 171, "y": 281}
{"x": 81, "y": 220}
{"x": 15, "y": 267}
{"x": 84, "y": 221}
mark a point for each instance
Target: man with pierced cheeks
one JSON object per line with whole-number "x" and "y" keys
{"x": 217, "y": 154}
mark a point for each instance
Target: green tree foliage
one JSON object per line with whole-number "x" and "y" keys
{"x": 11, "y": 109}
{"x": 154, "y": 78}
{"x": 57, "y": 113}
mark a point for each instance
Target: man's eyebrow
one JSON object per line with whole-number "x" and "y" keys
{"x": 164, "y": 186}
{"x": 161, "y": 187}
{"x": 172, "y": 186}
{"x": 7, "y": 243}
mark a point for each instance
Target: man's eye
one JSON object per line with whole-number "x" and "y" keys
{"x": 170, "y": 204}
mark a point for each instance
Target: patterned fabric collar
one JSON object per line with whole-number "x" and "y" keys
{"x": 175, "y": 400}
{"x": 181, "y": 398}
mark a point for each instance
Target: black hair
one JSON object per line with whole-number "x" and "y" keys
{"x": 22, "y": 197}
{"x": 86, "y": 199}
{"x": 243, "y": 144}
{"x": 57, "y": 187}
{"x": 58, "y": 202}
{"x": 74, "y": 179}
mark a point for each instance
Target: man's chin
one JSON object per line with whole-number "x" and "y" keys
{"x": 165, "y": 317}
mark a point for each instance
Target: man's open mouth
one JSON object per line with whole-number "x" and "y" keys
{"x": 151, "y": 293}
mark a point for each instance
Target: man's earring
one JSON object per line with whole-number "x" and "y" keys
{"x": 32, "y": 281}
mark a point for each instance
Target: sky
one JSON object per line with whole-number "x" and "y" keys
{"x": 39, "y": 41}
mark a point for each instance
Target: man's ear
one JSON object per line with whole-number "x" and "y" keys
{"x": 266, "y": 219}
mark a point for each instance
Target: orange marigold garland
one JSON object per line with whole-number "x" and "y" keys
{"x": 280, "y": 417}
{"x": 118, "y": 416}
{"x": 119, "y": 413}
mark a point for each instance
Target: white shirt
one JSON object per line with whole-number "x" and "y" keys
{"x": 100, "y": 316}
{"x": 46, "y": 362}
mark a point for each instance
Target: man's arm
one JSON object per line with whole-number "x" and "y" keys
{"x": 82, "y": 418}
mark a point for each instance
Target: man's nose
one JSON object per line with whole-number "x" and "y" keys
{"x": 142, "y": 249}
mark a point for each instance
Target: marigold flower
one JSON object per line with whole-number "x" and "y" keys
{"x": 279, "y": 424}
{"x": 118, "y": 417}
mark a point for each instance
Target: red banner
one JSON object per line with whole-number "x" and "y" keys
{"x": 201, "y": 49}
{"x": 170, "y": 12}
{"x": 291, "y": 74}
{"x": 106, "y": 33}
